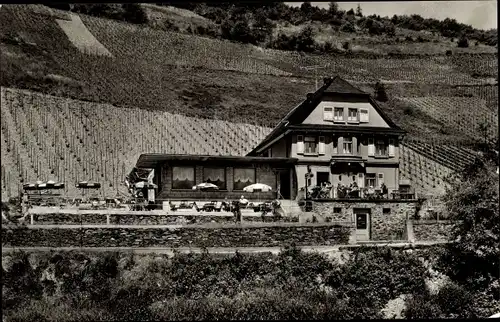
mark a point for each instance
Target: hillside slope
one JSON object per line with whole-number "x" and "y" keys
{"x": 204, "y": 77}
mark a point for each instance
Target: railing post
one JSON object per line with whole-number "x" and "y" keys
{"x": 108, "y": 219}
{"x": 32, "y": 219}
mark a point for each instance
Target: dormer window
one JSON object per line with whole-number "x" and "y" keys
{"x": 328, "y": 113}
{"x": 339, "y": 114}
{"x": 352, "y": 115}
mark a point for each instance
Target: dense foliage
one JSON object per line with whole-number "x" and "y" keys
{"x": 291, "y": 285}
{"x": 339, "y": 19}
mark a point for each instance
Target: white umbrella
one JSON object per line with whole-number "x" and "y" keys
{"x": 143, "y": 184}
{"x": 257, "y": 187}
{"x": 205, "y": 185}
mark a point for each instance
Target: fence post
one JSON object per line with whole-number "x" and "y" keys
{"x": 32, "y": 219}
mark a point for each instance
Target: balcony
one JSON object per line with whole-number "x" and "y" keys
{"x": 357, "y": 194}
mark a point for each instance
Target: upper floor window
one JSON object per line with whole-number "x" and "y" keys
{"x": 363, "y": 115}
{"x": 339, "y": 114}
{"x": 352, "y": 115}
{"x": 310, "y": 145}
{"x": 347, "y": 145}
{"x": 328, "y": 113}
{"x": 380, "y": 148}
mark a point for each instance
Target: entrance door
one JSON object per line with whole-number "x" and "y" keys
{"x": 284, "y": 184}
{"x": 362, "y": 226}
{"x": 322, "y": 177}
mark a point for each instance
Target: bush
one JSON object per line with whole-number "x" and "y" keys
{"x": 347, "y": 27}
{"x": 380, "y": 93}
{"x": 454, "y": 301}
{"x": 463, "y": 42}
{"x": 346, "y": 45}
{"x": 421, "y": 307}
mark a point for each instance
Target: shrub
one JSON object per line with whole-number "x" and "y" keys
{"x": 347, "y": 27}
{"x": 380, "y": 93}
{"x": 463, "y": 42}
{"x": 421, "y": 307}
{"x": 346, "y": 45}
{"x": 454, "y": 300}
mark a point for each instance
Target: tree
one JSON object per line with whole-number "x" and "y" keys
{"x": 463, "y": 42}
{"x": 472, "y": 202}
{"x": 333, "y": 8}
{"x": 134, "y": 13}
{"x": 380, "y": 93}
{"x": 359, "y": 13}
{"x": 305, "y": 39}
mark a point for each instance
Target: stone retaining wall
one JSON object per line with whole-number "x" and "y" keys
{"x": 153, "y": 219}
{"x": 229, "y": 236}
{"x": 432, "y": 230}
{"x": 388, "y": 225}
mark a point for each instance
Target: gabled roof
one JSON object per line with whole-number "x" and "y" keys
{"x": 332, "y": 86}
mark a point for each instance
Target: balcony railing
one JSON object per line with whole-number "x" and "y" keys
{"x": 342, "y": 193}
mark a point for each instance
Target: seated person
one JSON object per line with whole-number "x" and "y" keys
{"x": 243, "y": 201}
{"x": 371, "y": 190}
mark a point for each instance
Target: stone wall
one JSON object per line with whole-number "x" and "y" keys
{"x": 229, "y": 236}
{"x": 153, "y": 219}
{"x": 432, "y": 230}
{"x": 388, "y": 225}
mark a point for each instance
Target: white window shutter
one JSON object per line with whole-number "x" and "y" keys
{"x": 300, "y": 144}
{"x": 364, "y": 116}
{"x": 361, "y": 182}
{"x": 380, "y": 179}
{"x": 321, "y": 146}
{"x": 391, "y": 148}
{"x": 371, "y": 147}
{"x": 328, "y": 113}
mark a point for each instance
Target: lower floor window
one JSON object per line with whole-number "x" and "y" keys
{"x": 370, "y": 180}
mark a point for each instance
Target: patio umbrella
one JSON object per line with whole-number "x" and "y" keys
{"x": 205, "y": 186}
{"x": 257, "y": 187}
{"x": 144, "y": 184}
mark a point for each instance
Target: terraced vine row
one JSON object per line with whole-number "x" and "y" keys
{"x": 48, "y": 137}
{"x": 464, "y": 113}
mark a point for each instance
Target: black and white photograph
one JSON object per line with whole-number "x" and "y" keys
{"x": 249, "y": 160}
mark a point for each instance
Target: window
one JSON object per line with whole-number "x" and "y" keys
{"x": 352, "y": 115}
{"x": 310, "y": 145}
{"x": 322, "y": 177}
{"x": 371, "y": 147}
{"x": 386, "y": 211}
{"x": 328, "y": 113}
{"x": 300, "y": 144}
{"x": 391, "y": 148}
{"x": 370, "y": 180}
{"x": 339, "y": 114}
{"x": 347, "y": 145}
{"x": 243, "y": 177}
{"x": 363, "y": 115}
{"x": 380, "y": 148}
{"x": 321, "y": 146}
{"x": 216, "y": 176}
{"x": 337, "y": 210}
{"x": 183, "y": 177}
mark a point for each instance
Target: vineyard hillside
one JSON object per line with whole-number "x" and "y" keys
{"x": 52, "y": 138}
{"x": 106, "y": 91}
{"x": 201, "y": 77}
